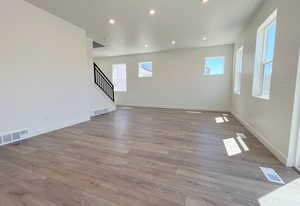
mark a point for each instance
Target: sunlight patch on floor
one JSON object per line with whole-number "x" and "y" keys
{"x": 232, "y": 147}
{"x": 242, "y": 143}
{"x": 236, "y": 145}
{"x": 272, "y": 175}
{"x": 241, "y": 135}
{"x": 222, "y": 119}
{"x": 219, "y": 120}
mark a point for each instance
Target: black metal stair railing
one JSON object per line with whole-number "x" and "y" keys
{"x": 103, "y": 82}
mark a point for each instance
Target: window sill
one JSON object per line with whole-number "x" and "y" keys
{"x": 213, "y": 74}
{"x": 265, "y": 97}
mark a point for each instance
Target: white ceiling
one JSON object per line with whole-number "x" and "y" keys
{"x": 185, "y": 21}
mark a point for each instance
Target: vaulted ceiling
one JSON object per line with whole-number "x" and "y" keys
{"x": 185, "y": 21}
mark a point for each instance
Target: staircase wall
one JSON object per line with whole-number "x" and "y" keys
{"x": 99, "y": 102}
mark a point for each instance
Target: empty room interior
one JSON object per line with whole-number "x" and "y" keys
{"x": 150, "y": 103}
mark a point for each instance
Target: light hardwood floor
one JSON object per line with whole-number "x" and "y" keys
{"x": 138, "y": 157}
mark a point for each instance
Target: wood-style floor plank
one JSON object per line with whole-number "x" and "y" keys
{"x": 138, "y": 157}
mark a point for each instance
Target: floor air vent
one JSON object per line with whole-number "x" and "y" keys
{"x": 13, "y": 137}
{"x": 100, "y": 112}
{"x": 126, "y": 108}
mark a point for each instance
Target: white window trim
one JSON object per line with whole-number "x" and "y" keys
{"x": 257, "y": 89}
{"x": 139, "y": 69}
{"x": 238, "y": 70}
{"x": 206, "y": 58}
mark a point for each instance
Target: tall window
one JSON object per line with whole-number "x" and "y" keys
{"x": 119, "y": 77}
{"x": 265, "y": 46}
{"x": 145, "y": 69}
{"x": 214, "y": 65}
{"x": 238, "y": 70}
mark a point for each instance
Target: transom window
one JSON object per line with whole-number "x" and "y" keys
{"x": 265, "y": 46}
{"x": 145, "y": 69}
{"x": 214, "y": 65}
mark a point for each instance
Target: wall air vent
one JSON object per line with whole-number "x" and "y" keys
{"x": 97, "y": 45}
{"x": 7, "y": 138}
{"x": 13, "y": 137}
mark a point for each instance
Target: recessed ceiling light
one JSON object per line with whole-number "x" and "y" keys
{"x": 204, "y": 1}
{"x": 112, "y": 21}
{"x": 146, "y": 45}
{"x": 204, "y": 38}
{"x": 173, "y": 42}
{"x": 152, "y": 12}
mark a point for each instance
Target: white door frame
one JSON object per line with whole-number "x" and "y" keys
{"x": 297, "y": 158}
{"x": 294, "y": 145}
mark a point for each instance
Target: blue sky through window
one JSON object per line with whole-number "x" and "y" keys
{"x": 270, "y": 44}
{"x": 145, "y": 69}
{"x": 147, "y": 66}
{"x": 214, "y": 66}
{"x": 268, "y": 69}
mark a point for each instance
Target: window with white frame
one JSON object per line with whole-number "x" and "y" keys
{"x": 265, "y": 46}
{"x": 238, "y": 70}
{"x": 145, "y": 69}
{"x": 214, "y": 65}
{"x": 119, "y": 77}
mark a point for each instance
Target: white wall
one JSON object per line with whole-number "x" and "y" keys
{"x": 98, "y": 99}
{"x": 43, "y": 64}
{"x": 178, "y": 80}
{"x": 270, "y": 119}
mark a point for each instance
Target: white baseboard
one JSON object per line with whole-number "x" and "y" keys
{"x": 57, "y": 127}
{"x": 173, "y": 107}
{"x": 275, "y": 151}
{"x": 103, "y": 111}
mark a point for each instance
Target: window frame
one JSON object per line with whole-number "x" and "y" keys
{"x": 139, "y": 69}
{"x": 113, "y": 79}
{"x": 238, "y": 70}
{"x": 261, "y": 62}
{"x": 214, "y": 57}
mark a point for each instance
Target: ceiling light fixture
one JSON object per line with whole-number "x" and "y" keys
{"x": 112, "y": 21}
{"x": 204, "y": 38}
{"x": 204, "y": 1}
{"x": 152, "y": 12}
{"x": 173, "y": 42}
{"x": 146, "y": 45}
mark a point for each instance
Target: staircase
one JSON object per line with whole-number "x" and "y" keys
{"x": 103, "y": 82}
